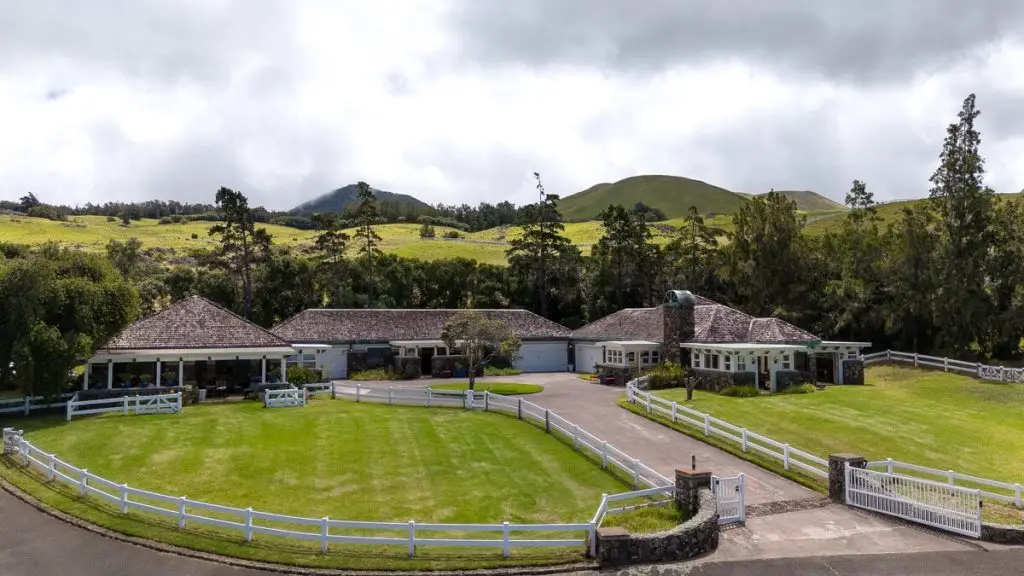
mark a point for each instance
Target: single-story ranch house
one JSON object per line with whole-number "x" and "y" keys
{"x": 722, "y": 345}
{"x": 355, "y": 339}
{"x": 196, "y": 342}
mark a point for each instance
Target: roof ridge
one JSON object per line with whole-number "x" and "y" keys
{"x": 239, "y": 317}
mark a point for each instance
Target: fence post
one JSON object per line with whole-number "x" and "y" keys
{"x": 69, "y": 407}
{"x": 181, "y": 511}
{"x": 505, "y": 539}
{"x": 604, "y": 459}
{"x": 412, "y": 537}
{"x": 949, "y": 477}
{"x": 1016, "y": 493}
{"x": 124, "y": 405}
{"x": 915, "y": 359}
{"x": 575, "y": 436}
{"x": 51, "y": 467}
{"x": 323, "y": 535}
{"x": 428, "y": 397}
{"x": 593, "y": 539}
{"x": 978, "y": 371}
{"x": 334, "y": 393}
{"x": 707, "y": 424}
{"x": 636, "y": 473}
{"x": 137, "y": 407}
{"x": 519, "y": 408}
{"x": 83, "y": 481}
{"x": 358, "y": 388}
{"x": 1002, "y": 374}
{"x": 547, "y": 421}
{"x": 743, "y": 439}
{"x": 248, "y": 524}
{"x": 674, "y": 407}
{"x": 785, "y": 456}
{"x": 945, "y": 364}
{"x": 391, "y": 392}
{"x": 28, "y": 404}
{"x": 888, "y": 465}
{"x": 124, "y": 498}
{"x": 888, "y": 355}
{"x": 487, "y": 400}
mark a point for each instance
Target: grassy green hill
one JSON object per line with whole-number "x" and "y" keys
{"x": 887, "y": 213}
{"x": 809, "y": 201}
{"x": 671, "y": 194}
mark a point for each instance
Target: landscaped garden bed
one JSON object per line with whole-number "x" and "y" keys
{"x": 344, "y": 460}
{"x": 503, "y": 388}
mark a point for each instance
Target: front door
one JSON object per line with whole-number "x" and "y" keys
{"x": 764, "y": 377}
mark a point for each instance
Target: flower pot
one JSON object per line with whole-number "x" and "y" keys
{"x": 202, "y": 394}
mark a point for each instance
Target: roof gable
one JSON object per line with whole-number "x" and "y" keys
{"x": 777, "y": 330}
{"x": 626, "y": 324}
{"x": 339, "y": 325}
{"x": 194, "y": 322}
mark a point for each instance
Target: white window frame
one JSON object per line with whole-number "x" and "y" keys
{"x": 727, "y": 362}
{"x": 787, "y": 361}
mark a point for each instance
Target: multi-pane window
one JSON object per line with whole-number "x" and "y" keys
{"x": 655, "y": 356}
{"x": 631, "y": 357}
{"x": 715, "y": 358}
{"x": 786, "y": 361}
{"x": 304, "y": 360}
{"x": 728, "y": 362}
{"x": 696, "y": 360}
{"x": 614, "y": 356}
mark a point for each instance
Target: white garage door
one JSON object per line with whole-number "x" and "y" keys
{"x": 543, "y": 357}
{"x": 334, "y": 362}
{"x": 587, "y": 355}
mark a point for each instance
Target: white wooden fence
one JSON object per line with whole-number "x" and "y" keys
{"x": 412, "y": 534}
{"x": 25, "y": 405}
{"x": 791, "y": 458}
{"x": 731, "y": 498}
{"x": 155, "y": 404}
{"x": 284, "y": 398}
{"x": 1007, "y": 493}
{"x": 976, "y": 369}
{"x": 814, "y": 465}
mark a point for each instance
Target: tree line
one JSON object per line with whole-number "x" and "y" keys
{"x": 946, "y": 277}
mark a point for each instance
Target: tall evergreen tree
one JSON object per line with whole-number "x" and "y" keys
{"x": 964, "y": 206}
{"x": 535, "y": 255}
{"x": 366, "y": 217}
{"x": 853, "y": 294}
{"x": 241, "y": 242}
{"x": 911, "y": 280}
{"x": 690, "y": 256}
{"x": 624, "y": 265}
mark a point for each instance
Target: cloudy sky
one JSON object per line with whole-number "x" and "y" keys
{"x": 463, "y": 100}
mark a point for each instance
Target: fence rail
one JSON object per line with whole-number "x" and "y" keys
{"x": 411, "y": 534}
{"x": 714, "y": 427}
{"x": 1011, "y": 493}
{"x": 26, "y": 404}
{"x": 816, "y": 466}
{"x": 156, "y": 404}
{"x": 975, "y": 369}
{"x": 287, "y": 397}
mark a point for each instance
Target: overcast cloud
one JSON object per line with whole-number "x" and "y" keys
{"x": 462, "y": 100}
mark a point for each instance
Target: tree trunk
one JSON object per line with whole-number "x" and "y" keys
{"x": 472, "y": 378}
{"x": 690, "y": 382}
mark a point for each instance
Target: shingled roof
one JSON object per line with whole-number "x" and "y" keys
{"x": 714, "y": 323}
{"x": 194, "y": 322}
{"x": 341, "y": 325}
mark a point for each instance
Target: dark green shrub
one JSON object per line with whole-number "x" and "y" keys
{"x": 740, "y": 392}
{"x": 666, "y": 375}
{"x": 452, "y": 234}
{"x": 195, "y": 236}
{"x": 372, "y": 374}
{"x": 300, "y": 375}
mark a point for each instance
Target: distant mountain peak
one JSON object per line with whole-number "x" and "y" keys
{"x": 336, "y": 200}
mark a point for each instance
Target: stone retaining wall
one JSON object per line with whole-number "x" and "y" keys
{"x": 695, "y": 537}
{"x": 1002, "y": 534}
{"x": 853, "y": 371}
{"x": 718, "y": 380}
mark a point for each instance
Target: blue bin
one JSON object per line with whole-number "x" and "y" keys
{"x": 461, "y": 373}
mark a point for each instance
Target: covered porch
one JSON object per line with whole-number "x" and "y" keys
{"x": 836, "y": 362}
{"x": 224, "y": 370}
{"x": 633, "y": 354}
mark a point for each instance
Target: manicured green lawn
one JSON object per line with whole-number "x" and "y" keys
{"x": 332, "y": 458}
{"x": 933, "y": 419}
{"x": 503, "y": 388}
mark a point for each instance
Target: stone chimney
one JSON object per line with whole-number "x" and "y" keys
{"x": 679, "y": 323}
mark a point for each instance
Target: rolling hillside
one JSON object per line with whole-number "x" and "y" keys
{"x": 671, "y": 194}
{"x": 337, "y": 200}
{"x": 808, "y": 201}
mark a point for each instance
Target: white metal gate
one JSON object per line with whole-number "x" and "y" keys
{"x": 731, "y": 498}
{"x": 953, "y": 508}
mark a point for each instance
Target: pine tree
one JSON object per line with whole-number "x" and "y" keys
{"x": 241, "y": 242}
{"x": 964, "y": 206}
{"x": 366, "y": 216}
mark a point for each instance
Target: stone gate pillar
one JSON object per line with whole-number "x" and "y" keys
{"x": 837, "y": 474}
{"x": 688, "y": 482}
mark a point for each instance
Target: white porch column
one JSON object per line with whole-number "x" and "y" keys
{"x": 263, "y": 378}
{"x": 110, "y": 374}
{"x": 159, "y": 369}
{"x": 181, "y": 371}
{"x": 839, "y": 365}
{"x": 284, "y": 370}
{"x": 85, "y": 377}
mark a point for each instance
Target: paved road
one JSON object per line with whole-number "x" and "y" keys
{"x": 37, "y": 544}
